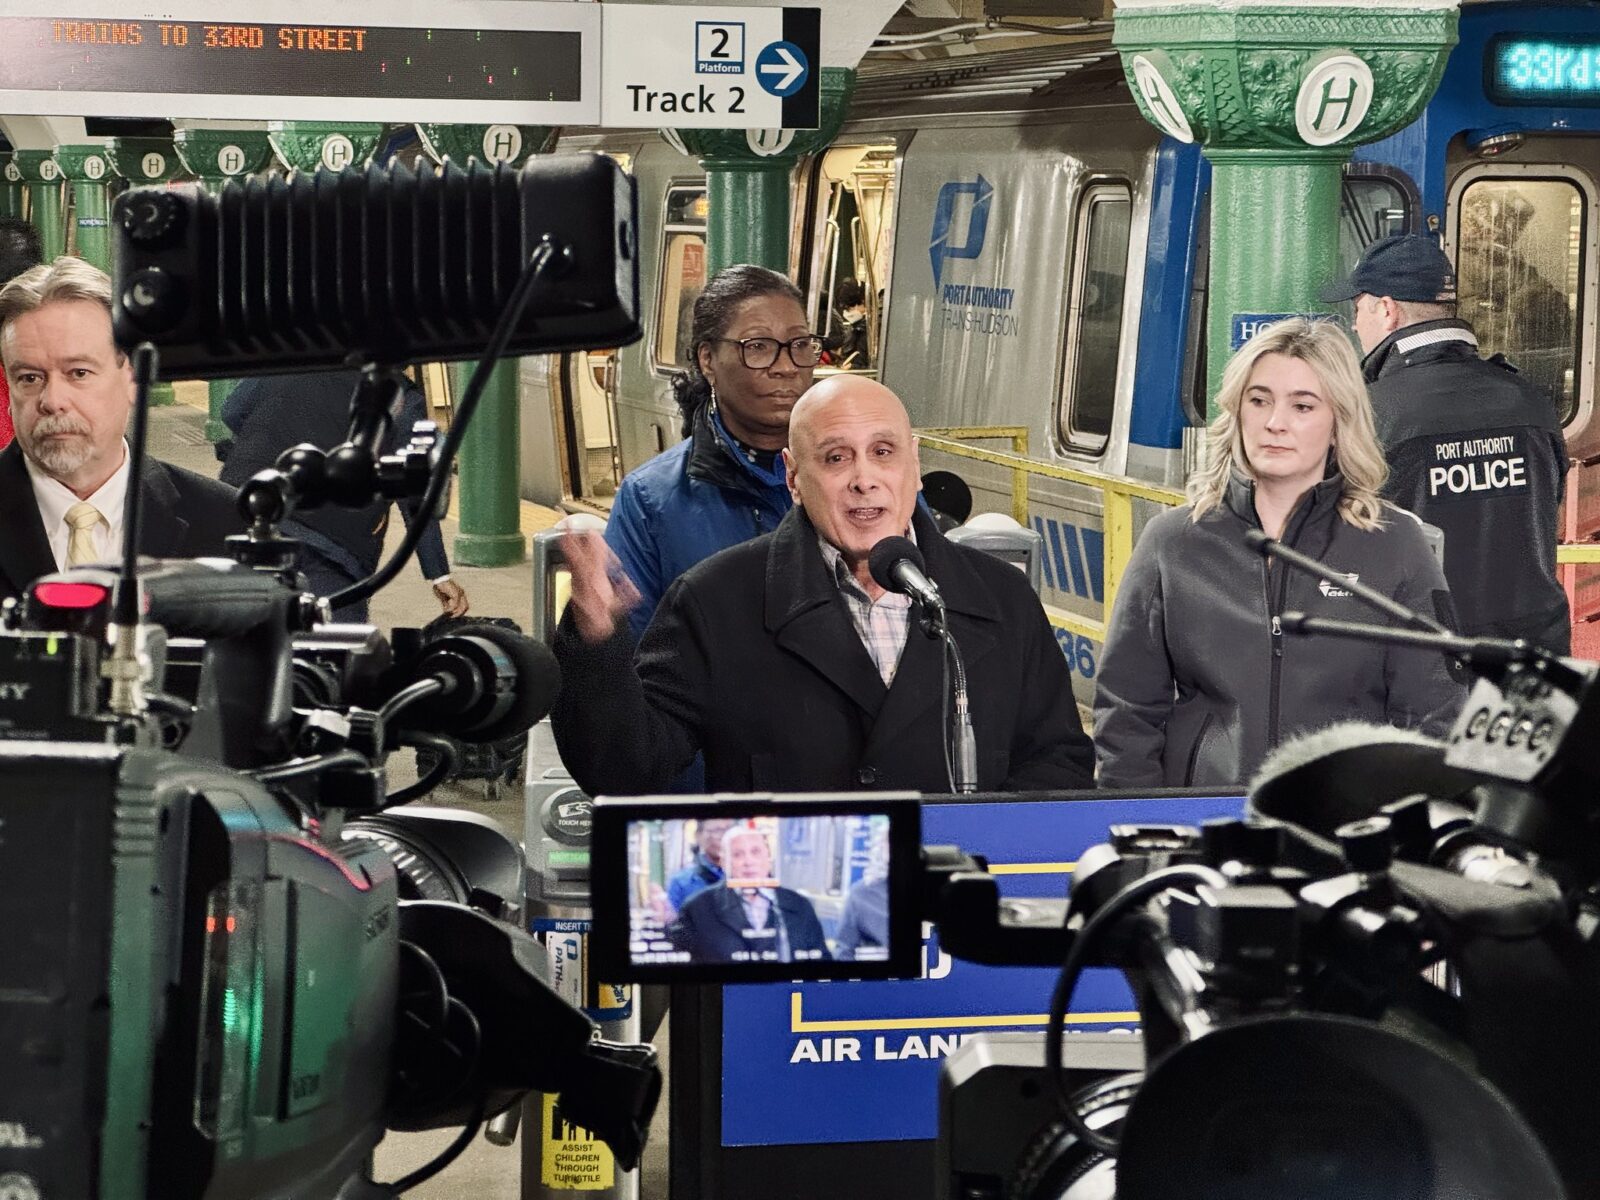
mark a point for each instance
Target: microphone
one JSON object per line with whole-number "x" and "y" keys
{"x": 897, "y": 566}
{"x": 478, "y": 683}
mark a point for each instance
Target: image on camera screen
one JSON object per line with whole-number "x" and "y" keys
{"x": 758, "y": 890}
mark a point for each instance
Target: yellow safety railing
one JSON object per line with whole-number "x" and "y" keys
{"x": 1117, "y": 497}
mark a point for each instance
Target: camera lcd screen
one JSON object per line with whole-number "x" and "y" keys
{"x": 740, "y": 889}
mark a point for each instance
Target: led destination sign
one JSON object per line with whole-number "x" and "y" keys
{"x": 40, "y": 53}
{"x": 1549, "y": 70}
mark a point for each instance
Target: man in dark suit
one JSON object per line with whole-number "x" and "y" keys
{"x": 749, "y": 917}
{"x": 63, "y": 482}
{"x": 790, "y": 668}
{"x": 338, "y": 546}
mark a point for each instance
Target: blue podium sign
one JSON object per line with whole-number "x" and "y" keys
{"x": 859, "y": 1061}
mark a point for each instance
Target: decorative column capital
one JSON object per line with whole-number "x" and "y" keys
{"x": 217, "y": 155}
{"x": 486, "y": 143}
{"x": 87, "y": 163}
{"x": 770, "y": 149}
{"x": 144, "y": 160}
{"x": 10, "y": 173}
{"x": 309, "y": 145}
{"x": 1255, "y": 75}
{"x": 36, "y": 166}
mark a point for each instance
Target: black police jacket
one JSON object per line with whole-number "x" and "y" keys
{"x": 1198, "y": 681}
{"x": 753, "y": 659}
{"x": 1476, "y": 449}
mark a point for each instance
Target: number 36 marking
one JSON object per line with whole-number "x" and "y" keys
{"x": 1079, "y": 652}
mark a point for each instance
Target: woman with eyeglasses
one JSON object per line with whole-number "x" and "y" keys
{"x": 751, "y": 354}
{"x": 1198, "y": 680}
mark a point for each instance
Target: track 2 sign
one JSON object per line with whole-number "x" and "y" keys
{"x": 693, "y": 67}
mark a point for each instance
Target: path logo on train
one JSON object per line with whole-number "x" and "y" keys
{"x": 980, "y": 307}
{"x": 977, "y": 224}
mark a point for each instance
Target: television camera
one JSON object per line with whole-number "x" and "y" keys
{"x": 228, "y": 961}
{"x": 1380, "y": 983}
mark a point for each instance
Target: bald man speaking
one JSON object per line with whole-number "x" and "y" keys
{"x": 790, "y": 668}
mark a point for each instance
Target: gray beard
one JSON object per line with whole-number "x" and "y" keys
{"x": 59, "y": 458}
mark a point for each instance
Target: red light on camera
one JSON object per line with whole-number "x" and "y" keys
{"x": 70, "y": 595}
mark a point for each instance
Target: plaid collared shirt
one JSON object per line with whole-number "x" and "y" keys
{"x": 883, "y": 625}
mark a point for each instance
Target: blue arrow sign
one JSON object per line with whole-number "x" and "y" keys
{"x": 782, "y": 68}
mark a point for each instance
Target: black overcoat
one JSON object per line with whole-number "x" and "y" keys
{"x": 752, "y": 658}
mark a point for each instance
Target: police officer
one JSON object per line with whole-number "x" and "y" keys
{"x": 1473, "y": 447}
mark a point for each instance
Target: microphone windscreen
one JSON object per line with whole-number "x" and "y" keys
{"x": 888, "y": 552}
{"x": 538, "y": 681}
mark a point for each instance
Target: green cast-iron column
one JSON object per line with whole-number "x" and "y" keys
{"x": 146, "y": 162}
{"x": 214, "y": 156}
{"x": 747, "y": 178}
{"x": 88, "y": 172}
{"x": 490, "y": 532}
{"x": 42, "y": 178}
{"x": 1278, "y": 95}
{"x": 10, "y": 186}
{"x": 1280, "y": 267}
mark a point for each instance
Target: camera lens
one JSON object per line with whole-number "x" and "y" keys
{"x": 1058, "y": 1165}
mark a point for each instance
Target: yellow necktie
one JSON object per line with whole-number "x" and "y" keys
{"x": 82, "y": 517}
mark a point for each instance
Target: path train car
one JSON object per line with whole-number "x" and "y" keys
{"x": 1034, "y": 254}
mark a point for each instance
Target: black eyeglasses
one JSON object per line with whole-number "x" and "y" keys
{"x": 759, "y": 353}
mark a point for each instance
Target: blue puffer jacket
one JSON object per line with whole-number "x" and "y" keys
{"x": 701, "y": 496}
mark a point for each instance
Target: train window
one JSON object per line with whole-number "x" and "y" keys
{"x": 1094, "y": 318}
{"x": 855, "y": 197}
{"x": 683, "y": 273}
{"x": 1519, "y": 269}
{"x": 1371, "y": 208}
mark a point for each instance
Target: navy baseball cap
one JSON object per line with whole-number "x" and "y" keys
{"x": 1409, "y": 266}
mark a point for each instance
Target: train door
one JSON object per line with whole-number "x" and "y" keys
{"x": 589, "y": 425}
{"x": 849, "y": 237}
{"x": 670, "y": 286}
{"x": 1523, "y": 235}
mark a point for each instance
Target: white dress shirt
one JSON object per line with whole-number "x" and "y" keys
{"x": 54, "y": 498}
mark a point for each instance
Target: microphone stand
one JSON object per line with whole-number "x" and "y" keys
{"x": 961, "y": 747}
{"x": 1489, "y": 658}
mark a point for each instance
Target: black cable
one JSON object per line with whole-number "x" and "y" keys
{"x": 468, "y": 1131}
{"x": 539, "y": 261}
{"x": 1055, "y": 1026}
{"x": 170, "y": 706}
{"x": 449, "y": 759}
{"x": 297, "y": 767}
{"x": 409, "y": 695}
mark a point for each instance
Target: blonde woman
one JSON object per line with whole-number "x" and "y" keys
{"x": 1197, "y": 682}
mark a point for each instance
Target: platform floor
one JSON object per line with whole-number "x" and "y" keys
{"x": 484, "y": 1171}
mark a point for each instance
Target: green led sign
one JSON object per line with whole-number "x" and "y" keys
{"x": 1521, "y": 69}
